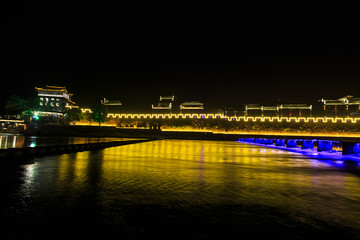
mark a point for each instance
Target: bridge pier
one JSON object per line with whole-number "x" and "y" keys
{"x": 324, "y": 145}
{"x": 280, "y": 142}
{"x": 307, "y": 144}
{"x": 350, "y": 148}
{"x": 291, "y": 143}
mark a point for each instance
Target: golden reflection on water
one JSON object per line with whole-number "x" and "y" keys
{"x": 11, "y": 141}
{"x": 193, "y": 172}
{"x": 20, "y": 141}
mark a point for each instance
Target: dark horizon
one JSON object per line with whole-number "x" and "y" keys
{"x": 136, "y": 56}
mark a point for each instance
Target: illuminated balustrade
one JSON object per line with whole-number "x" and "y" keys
{"x": 85, "y": 110}
{"x": 237, "y": 119}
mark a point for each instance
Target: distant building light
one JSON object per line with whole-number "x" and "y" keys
{"x": 110, "y": 103}
{"x": 162, "y": 106}
{"x": 172, "y": 98}
{"x": 192, "y": 105}
{"x": 347, "y": 100}
{"x": 295, "y": 106}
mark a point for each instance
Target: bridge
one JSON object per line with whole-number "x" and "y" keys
{"x": 227, "y": 118}
{"x": 238, "y": 119}
{"x": 320, "y": 133}
{"x": 348, "y": 146}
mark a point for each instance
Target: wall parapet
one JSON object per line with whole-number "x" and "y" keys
{"x": 238, "y": 119}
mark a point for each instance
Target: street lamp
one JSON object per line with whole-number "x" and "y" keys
{"x": 36, "y": 116}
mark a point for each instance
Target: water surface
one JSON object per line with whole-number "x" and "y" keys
{"x": 8, "y": 140}
{"x": 179, "y": 189}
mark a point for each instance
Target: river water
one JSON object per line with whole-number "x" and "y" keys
{"x": 20, "y": 141}
{"x": 181, "y": 189}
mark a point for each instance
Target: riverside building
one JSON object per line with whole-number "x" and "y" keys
{"x": 192, "y": 107}
{"x": 347, "y": 106}
{"x": 283, "y": 110}
{"x": 53, "y": 102}
{"x": 166, "y": 104}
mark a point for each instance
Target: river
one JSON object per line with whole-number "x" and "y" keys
{"x": 181, "y": 189}
{"x": 9, "y": 140}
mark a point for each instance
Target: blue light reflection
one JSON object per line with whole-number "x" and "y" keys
{"x": 324, "y": 153}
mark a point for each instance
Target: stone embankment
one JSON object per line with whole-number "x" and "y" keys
{"x": 15, "y": 154}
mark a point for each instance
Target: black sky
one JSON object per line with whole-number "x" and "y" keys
{"x": 217, "y": 56}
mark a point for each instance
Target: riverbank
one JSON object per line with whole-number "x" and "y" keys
{"x": 91, "y": 131}
{"x": 108, "y": 131}
{"x": 17, "y": 155}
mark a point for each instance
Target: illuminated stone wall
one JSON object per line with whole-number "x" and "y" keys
{"x": 220, "y": 123}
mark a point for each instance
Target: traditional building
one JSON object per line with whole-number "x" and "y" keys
{"x": 295, "y": 110}
{"x": 260, "y": 110}
{"x": 283, "y": 110}
{"x": 347, "y": 106}
{"x": 192, "y": 107}
{"x": 166, "y": 104}
{"x": 234, "y": 111}
{"x": 53, "y": 102}
{"x": 113, "y": 106}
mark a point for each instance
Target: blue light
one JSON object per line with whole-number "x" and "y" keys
{"x": 356, "y": 148}
{"x": 324, "y": 145}
{"x": 324, "y": 154}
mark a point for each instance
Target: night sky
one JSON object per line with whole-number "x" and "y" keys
{"x": 218, "y": 56}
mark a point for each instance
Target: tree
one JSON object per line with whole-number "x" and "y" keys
{"x": 73, "y": 115}
{"x": 88, "y": 116}
{"x": 100, "y": 113}
{"x": 22, "y": 105}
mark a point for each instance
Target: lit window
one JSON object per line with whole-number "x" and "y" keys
{"x": 52, "y": 104}
{"x": 41, "y": 99}
{"x": 52, "y": 99}
{"x": 57, "y": 99}
{"x": 41, "y": 103}
{"x": 57, "y": 104}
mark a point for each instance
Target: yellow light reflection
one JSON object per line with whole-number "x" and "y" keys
{"x": 201, "y": 172}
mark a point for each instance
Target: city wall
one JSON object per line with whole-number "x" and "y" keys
{"x": 222, "y": 124}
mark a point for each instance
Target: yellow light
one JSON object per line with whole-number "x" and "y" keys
{"x": 238, "y": 119}
{"x": 85, "y": 110}
{"x": 265, "y": 133}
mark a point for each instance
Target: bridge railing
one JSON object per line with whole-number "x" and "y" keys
{"x": 238, "y": 119}
{"x": 228, "y": 118}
